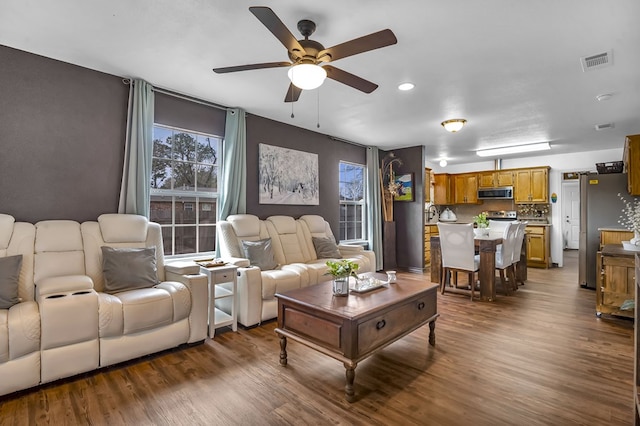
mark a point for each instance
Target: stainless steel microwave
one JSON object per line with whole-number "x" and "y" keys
{"x": 504, "y": 193}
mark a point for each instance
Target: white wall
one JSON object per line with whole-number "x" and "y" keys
{"x": 560, "y": 163}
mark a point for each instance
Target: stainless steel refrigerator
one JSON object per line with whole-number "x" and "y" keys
{"x": 600, "y": 207}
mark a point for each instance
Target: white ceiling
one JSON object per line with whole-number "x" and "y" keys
{"x": 511, "y": 68}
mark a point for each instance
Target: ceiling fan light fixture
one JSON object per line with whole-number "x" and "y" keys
{"x": 453, "y": 125}
{"x": 307, "y": 76}
{"x": 515, "y": 149}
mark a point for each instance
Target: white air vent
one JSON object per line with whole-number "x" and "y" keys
{"x": 600, "y": 60}
{"x": 604, "y": 126}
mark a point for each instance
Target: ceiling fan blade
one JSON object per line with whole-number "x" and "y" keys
{"x": 251, "y": 67}
{"x": 293, "y": 94}
{"x": 270, "y": 20}
{"x": 349, "y": 79}
{"x": 359, "y": 45}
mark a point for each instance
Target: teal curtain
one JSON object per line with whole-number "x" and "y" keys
{"x": 233, "y": 192}
{"x": 136, "y": 173}
{"x": 374, "y": 205}
{"x": 233, "y": 189}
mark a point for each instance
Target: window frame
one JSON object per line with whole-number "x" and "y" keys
{"x": 195, "y": 197}
{"x": 362, "y": 203}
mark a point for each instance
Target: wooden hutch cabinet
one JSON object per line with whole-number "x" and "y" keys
{"x": 615, "y": 280}
{"x": 532, "y": 185}
{"x": 632, "y": 163}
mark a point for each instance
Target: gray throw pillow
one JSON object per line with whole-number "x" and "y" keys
{"x": 9, "y": 280}
{"x": 128, "y": 268}
{"x": 260, "y": 254}
{"x": 326, "y": 248}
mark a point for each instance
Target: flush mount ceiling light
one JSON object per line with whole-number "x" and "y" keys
{"x": 443, "y": 163}
{"x": 454, "y": 124}
{"x": 516, "y": 149}
{"x": 307, "y": 76}
{"x": 406, "y": 86}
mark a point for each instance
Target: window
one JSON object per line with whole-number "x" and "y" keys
{"x": 352, "y": 205}
{"x": 184, "y": 188}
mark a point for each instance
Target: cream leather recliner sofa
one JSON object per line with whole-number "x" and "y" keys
{"x": 298, "y": 264}
{"x": 66, "y": 323}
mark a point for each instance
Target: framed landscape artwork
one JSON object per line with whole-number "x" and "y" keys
{"x": 405, "y": 193}
{"x": 287, "y": 176}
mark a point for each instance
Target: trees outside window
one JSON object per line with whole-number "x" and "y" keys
{"x": 184, "y": 188}
{"x": 352, "y": 202}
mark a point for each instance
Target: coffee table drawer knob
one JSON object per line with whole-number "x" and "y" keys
{"x": 380, "y": 324}
{"x": 420, "y": 306}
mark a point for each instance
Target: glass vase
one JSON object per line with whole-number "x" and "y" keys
{"x": 341, "y": 286}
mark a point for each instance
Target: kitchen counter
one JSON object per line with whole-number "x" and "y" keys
{"x": 613, "y": 229}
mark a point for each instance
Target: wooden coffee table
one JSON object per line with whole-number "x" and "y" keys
{"x": 351, "y": 328}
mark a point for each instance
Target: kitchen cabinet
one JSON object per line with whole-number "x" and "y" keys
{"x": 532, "y": 185}
{"x": 429, "y": 231}
{"x": 427, "y": 185}
{"x": 466, "y": 188}
{"x": 615, "y": 281}
{"x": 614, "y": 236}
{"x": 442, "y": 190}
{"x": 538, "y": 246}
{"x": 632, "y": 163}
{"x": 636, "y": 345}
{"x": 495, "y": 178}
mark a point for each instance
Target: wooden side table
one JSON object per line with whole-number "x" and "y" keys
{"x": 222, "y": 297}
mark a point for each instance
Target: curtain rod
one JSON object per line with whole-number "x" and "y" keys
{"x": 180, "y": 96}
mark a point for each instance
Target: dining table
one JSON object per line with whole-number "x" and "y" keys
{"x": 486, "y": 246}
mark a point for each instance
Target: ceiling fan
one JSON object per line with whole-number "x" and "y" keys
{"x": 310, "y": 54}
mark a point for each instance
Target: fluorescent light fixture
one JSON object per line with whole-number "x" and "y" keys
{"x": 406, "y": 86}
{"x": 516, "y": 149}
{"x": 307, "y": 76}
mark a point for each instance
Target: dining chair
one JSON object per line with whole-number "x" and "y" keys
{"x": 504, "y": 257}
{"x": 458, "y": 253}
{"x": 517, "y": 249}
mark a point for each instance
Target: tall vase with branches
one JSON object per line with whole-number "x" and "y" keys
{"x": 389, "y": 185}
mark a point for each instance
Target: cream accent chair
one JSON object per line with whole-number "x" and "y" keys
{"x": 517, "y": 250}
{"x": 294, "y": 252}
{"x": 20, "y": 324}
{"x": 138, "y": 322}
{"x": 458, "y": 253}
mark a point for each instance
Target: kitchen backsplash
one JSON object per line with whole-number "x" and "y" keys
{"x": 466, "y": 212}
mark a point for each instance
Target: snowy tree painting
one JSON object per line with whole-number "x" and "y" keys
{"x": 288, "y": 176}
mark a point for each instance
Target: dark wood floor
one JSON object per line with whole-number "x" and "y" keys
{"x": 539, "y": 357}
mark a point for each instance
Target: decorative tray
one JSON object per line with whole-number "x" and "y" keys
{"x": 367, "y": 285}
{"x": 210, "y": 263}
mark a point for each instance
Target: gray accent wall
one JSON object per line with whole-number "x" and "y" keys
{"x": 330, "y": 153}
{"x": 62, "y": 132}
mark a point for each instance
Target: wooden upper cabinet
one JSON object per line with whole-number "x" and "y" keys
{"x": 504, "y": 178}
{"x": 532, "y": 185}
{"x": 442, "y": 190}
{"x": 466, "y": 188}
{"x": 632, "y": 163}
{"x": 427, "y": 185}
{"x": 487, "y": 179}
{"x": 495, "y": 178}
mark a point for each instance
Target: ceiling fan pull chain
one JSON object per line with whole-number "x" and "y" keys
{"x": 318, "y": 120}
{"x": 292, "y": 116}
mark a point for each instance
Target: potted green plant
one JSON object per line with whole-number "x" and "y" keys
{"x": 341, "y": 270}
{"x": 482, "y": 224}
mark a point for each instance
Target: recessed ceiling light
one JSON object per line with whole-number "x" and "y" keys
{"x": 406, "y": 86}
{"x": 513, "y": 149}
{"x": 604, "y": 97}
